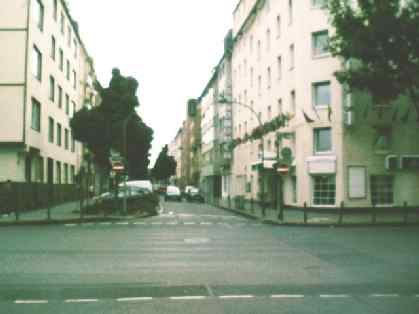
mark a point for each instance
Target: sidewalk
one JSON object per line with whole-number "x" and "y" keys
{"x": 60, "y": 214}
{"x": 296, "y": 218}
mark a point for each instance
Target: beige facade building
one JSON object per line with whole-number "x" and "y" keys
{"x": 175, "y": 150}
{"x": 46, "y": 76}
{"x": 343, "y": 148}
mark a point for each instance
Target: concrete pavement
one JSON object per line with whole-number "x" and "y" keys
{"x": 196, "y": 258}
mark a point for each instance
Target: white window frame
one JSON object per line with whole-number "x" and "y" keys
{"x": 314, "y": 93}
{"x": 313, "y": 190}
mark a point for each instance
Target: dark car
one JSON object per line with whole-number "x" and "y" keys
{"x": 194, "y": 195}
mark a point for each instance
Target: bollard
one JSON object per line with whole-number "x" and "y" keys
{"x": 342, "y": 206}
{"x": 406, "y": 213}
{"x": 374, "y": 215}
{"x": 305, "y": 213}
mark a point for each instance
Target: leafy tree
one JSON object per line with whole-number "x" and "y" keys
{"x": 380, "y": 39}
{"x": 165, "y": 166}
{"x": 104, "y": 127}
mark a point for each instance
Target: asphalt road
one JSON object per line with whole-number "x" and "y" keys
{"x": 199, "y": 259}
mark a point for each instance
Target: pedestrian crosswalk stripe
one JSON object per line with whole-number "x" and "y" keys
{"x": 31, "y": 301}
{"x": 134, "y": 299}
{"x": 334, "y": 296}
{"x": 384, "y": 295}
{"x": 198, "y": 297}
{"x": 243, "y": 296}
{"x": 287, "y": 296}
{"x": 81, "y": 300}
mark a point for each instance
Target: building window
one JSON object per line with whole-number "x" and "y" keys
{"x": 290, "y": 11}
{"x": 322, "y": 140}
{"x": 382, "y": 190}
{"x": 278, "y": 26}
{"x": 76, "y": 49}
{"x": 65, "y": 174}
{"x": 294, "y": 189}
{"x": 66, "y": 139}
{"x": 55, "y": 9}
{"x": 292, "y": 56}
{"x": 74, "y": 79}
{"x": 321, "y": 95}
{"x": 280, "y": 107}
{"x": 62, "y": 23}
{"x": 269, "y": 113}
{"x": 251, "y": 77}
{"x": 69, "y": 36}
{"x": 37, "y": 63}
{"x": 53, "y": 47}
{"x": 268, "y": 77}
{"x": 293, "y": 102}
{"x": 383, "y": 139}
{"x": 58, "y": 165}
{"x": 259, "y": 50}
{"x": 51, "y": 130}
{"x": 259, "y": 85}
{"x": 279, "y": 67}
{"x": 59, "y": 138}
{"x": 51, "y": 88}
{"x": 36, "y": 115}
{"x": 72, "y": 174}
{"x": 67, "y": 72}
{"x": 73, "y": 109}
{"x": 67, "y": 104}
{"x": 38, "y": 14}
{"x": 324, "y": 190}
{"x": 60, "y": 97}
{"x": 320, "y": 43}
{"x": 61, "y": 61}
{"x": 251, "y": 44}
{"x": 268, "y": 40}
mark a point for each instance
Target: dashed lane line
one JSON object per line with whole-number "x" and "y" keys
{"x": 240, "y": 296}
{"x": 71, "y": 225}
{"x": 81, "y": 300}
{"x": 134, "y": 299}
{"x": 194, "y": 297}
{"x": 384, "y": 295}
{"x": 287, "y": 296}
{"x": 31, "y": 301}
{"x": 189, "y": 223}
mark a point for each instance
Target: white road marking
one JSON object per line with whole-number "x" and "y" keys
{"x": 242, "y": 296}
{"x": 197, "y": 297}
{"x": 172, "y": 223}
{"x": 134, "y": 299}
{"x": 189, "y": 223}
{"x": 139, "y": 223}
{"x": 81, "y": 300}
{"x": 417, "y": 296}
{"x": 287, "y": 296}
{"x": 156, "y": 223}
{"x": 105, "y": 223}
{"x": 388, "y": 295}
{"x": 334, "y": 296}
{"x": 206, "y": 223}
{"x": 71, "y": 225}
{"x": 122, "y": 223}
{"x": 31, "y": 301}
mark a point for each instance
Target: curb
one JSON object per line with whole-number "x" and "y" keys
{"x": 318, "y": 225}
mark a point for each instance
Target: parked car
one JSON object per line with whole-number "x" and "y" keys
{"x": 194, "y": 195}
{"x": 187, "y": 189}
{"x": 173, "y": 194}
{"x": 132, "y": 192}
{"x": 143, "y": 184}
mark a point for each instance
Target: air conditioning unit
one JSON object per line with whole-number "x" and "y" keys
{"x": 391, "y": 162}
{"x": 409, "y": 162}
{"x": 348, "y": 118}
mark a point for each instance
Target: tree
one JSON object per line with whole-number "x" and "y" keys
{"x": 102, "y": 128}
{"x": 165, "y": 166}
{"x": 379, "y": 40}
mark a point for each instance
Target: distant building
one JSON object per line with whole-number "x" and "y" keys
{"x": 46, "y": 76}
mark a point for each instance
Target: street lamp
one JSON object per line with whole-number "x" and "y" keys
{"x": 224, "y": 100}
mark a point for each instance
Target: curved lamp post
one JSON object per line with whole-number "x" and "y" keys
{"x": 224, "y": 100}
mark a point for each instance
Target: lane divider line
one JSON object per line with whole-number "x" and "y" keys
{"x": 81, "y": 300}
{"x": 122, "y": 223}
{"x": 139, "y": 223}
{"x": 287, "y": 296}
{"x": 31, "y": 301}
{"x": 242, "y": 296}
{"x": 194, "y": 297}
{"x": 71, "y": 225}
{"x": 388, "y": 295}
{"x": 334, "y": 296}
{"x": 134, "y": 299}
{"x": 189, "y": 223}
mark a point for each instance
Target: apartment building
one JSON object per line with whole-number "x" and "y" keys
{"x": 344, "y": 148}
{"x": 175, "y": 150}
{"x": 46, "y": 76}
{"x": 216, "y": 128}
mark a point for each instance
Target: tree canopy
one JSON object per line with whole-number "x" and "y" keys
{"x": 102, "y": 128}
{"x": 165, "y": 165}
{"x": 379, "y": 41}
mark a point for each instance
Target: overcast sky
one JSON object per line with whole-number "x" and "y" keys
{"x": 170, "y": 46}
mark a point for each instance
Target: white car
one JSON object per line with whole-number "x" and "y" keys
{"x": 173, "y": 194}
{"x": 142, "y": 184}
